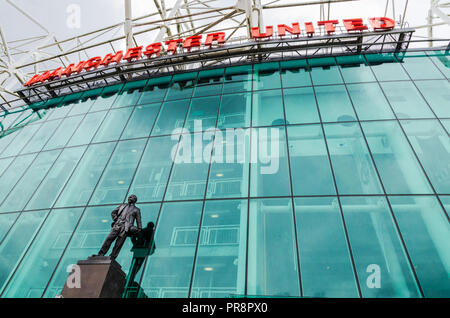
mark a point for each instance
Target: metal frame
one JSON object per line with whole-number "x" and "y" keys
{"x": 21, "y": 59}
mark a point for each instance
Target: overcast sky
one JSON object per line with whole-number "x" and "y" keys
{"x": 55, "y": 14}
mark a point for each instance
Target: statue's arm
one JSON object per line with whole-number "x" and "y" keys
{"x": 115, "y": 212}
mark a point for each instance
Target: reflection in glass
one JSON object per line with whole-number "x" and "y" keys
{"x": 171, "y": 116}
{"x": 310, "y": 167}
{"x": 437, "y": 94}
{"x": 24, "y": 189}
{"x": 36, "y": 268}
{"x": 334, "y": 104}
{"x": 269, "y": 163}
{"x": 48, "y": 191}
{"x": 79, "y": 188}
{"x": 267, "y": 108}
{"x": 272, "y": 257}
{"x": 235, "y": 111}
{"x": 169, "y": 269}
{"x": 325, "y": 263}
{"x": 300, "y": 106}
{"x": 266, "y": 76}
{"x": 406, "y": 100}
{"x": 117, "y": 176}
{"x": 324, "y": 71}
{"x": 355, "y": 69}
{"x": 153, "y": 171}
{"x": 141, "y": 121}
{"x": 228, "y": 175}
{"x": 426, "y": 231}
{"x": 220, "y": 264}
{"x": 398, "y": 168}
{"x": 237, "y": 79}
{"x": 377, "y": 249}
{"x": 369, "y": 101}
{"x": 295, "y": 73}
{"x": 352, "y": 165}
{"x": 17, "y": 242}
{"x": 432, "y": 146}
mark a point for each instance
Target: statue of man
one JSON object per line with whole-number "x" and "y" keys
{"x": 123, "y": 225}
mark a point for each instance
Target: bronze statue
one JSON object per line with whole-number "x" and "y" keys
{"x": 123, "y": 225}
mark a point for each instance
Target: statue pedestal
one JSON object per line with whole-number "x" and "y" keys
{"x": 100, "y": 277}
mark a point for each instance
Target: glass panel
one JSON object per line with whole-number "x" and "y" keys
{"x": 406, "y": 100}
{"x": 6, "y": 221}
{"x": 269, "y": 163}
{"x": 86, "y": 130}
{"x": 84, "y": 104}
{"x": 113, "y": 124}
{"x": 369, "y": 101}
{"x": 310, "y": 166}
{"x": 437, "y": 94}
{"x": 155, "y": 90}
{"x": 442, "y": 60}
{"x": 237, "y": 79}
{"x": 266, "y": 76}
{"x": 61, "y": 111}
{"x": 220, "y": 265}
{"x": 24, "y": 189}
{"x": 153, "y": 171}
{"x": 398, "y": 169}
{"x": 205, "y": 110}
{"x": 229, "y": 165}
{"x": 22, "y": 137}
{"x": 325, "y": 262}
{"x": 446, "y": 202}
{"x": 41, "y": 137}
{"x": 171, "y": 116}
{"x": 9, "y": 178}
{"x": 107, "y": 97}
{"x": 190, "y": 170}
{"x": 209, "y": 83}
{"x": 235, "y": 111}
{"x": 51, "y": 186}
{"x": 352, "y": 165}
{"x": 63, "y": 133}
{"x": 267, "y": 108}
{"x": 430, "y": 141}
{"x": 129, "y": 94}
{"x": 182, "y": 86}
{"x": 334, "y": 104}
{"x": 272, "y": 271}
{"x": 355, "y": 69}
{"x": 4, "y": 164}
{"x": 80, "y": 185}
{"x": 377, "y": 249}
{"x": 300, "y": 106}
{"x": 324, "y": 71}
{"x": 169, "y": 269}
{"x": 141, "y": 121}
{"x": 37, "y": 266}
{"x": 386, "y": 67}
{"x": 426, "y": 232}
{"x": 117, "y": 177}
{"x": 6, "y": 140}
{"x": 16, "y": 243}
{"x": 419, "y": 66}
{"x": 446, "y": 123}
{"x": 295, "y": 73}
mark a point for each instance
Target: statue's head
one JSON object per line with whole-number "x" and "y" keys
{"x": 132, "y": 199}
{"x": 150, "y": 225}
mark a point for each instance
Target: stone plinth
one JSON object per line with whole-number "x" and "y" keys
{"x": 100, "y": 277}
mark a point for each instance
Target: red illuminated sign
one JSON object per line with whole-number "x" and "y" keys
{"x": 195, "y": 41}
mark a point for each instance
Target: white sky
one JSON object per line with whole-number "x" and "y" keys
{"x": 100, "y": 13}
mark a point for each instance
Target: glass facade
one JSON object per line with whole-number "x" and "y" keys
{"x": 320, "y": 177}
